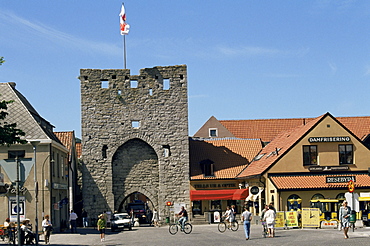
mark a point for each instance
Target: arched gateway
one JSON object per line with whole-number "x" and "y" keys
{"x": 135, "y": 170}
{"x": 134, "y": 138}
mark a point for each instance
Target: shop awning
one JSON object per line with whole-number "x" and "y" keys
{"x": 232, "y": 194}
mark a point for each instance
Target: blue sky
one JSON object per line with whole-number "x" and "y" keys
{"x": 246, "y": 59}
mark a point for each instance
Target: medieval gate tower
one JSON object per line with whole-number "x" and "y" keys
{"x": 134, "y": 137}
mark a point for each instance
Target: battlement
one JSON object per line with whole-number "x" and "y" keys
{"x": 156, "y": 78}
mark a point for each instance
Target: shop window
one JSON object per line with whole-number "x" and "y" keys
{"x": 345, "y": 154}
{"x": 197, "y": 207}
{"x": 310, "y": 155}
{"x": 294, "y": 203}
{"x": 215, "y": 205}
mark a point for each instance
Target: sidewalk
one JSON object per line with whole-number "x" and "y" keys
{"x": 205, "y": 235}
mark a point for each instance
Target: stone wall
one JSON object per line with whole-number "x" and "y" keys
{"x": 134, "y": 136}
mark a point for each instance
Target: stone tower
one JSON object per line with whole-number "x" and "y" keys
{"x": 134, "y": 137}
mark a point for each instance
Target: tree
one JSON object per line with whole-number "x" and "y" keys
{"x": 9, "y": 134}
{"x": 1, "y": 60}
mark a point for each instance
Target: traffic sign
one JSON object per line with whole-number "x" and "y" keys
{"x": 351, "y": 186}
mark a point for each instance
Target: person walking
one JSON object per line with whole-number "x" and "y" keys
{"x": 101, "y": 227}
{"x": 247, "y": 218}
{"x": 269, "y": 217}
{"x": 73, "y": 221}
{"x": 344, "y": 217}
{"x": 10, "y": 226}
{"x": 84, "y": 218}
{"x": 155, "y": 218}
{"x": 47, "y": 228}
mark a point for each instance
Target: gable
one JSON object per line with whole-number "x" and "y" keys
{"x": 213, "y": 124}
{"x": 326, "y": 136}
{"x": 26, "y": 117}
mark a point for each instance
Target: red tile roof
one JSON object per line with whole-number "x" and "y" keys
{"x": 268, "y": 129}
{"x": 277, "y": 148}
{"x": 67, "y": 139}
{"x": 317, "y": 181}
{"x": 230, "y": 156}
{"x": 79, "y": 150}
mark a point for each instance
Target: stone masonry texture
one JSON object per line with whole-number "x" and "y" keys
{"x": 134, "y": 137}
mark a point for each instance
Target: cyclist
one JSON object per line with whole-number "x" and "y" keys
{"x": 229, "y": 216}
{"x": 183, "y": 217}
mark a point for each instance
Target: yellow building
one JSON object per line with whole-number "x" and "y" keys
{"x": 311, "y": 166}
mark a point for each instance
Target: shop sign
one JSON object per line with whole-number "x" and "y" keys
{"x": 279, "y": 219}
{"x": 328, "y": 139}
{"x": 291, "y": 218}
{"x": 255, "y": 190}
{"x": 340, "y": 179}
{"x": 310, "y": 217}
{"x": 58, "y": 186}
{"x": 328, "y": 168}
{"x": 212, "y": 186}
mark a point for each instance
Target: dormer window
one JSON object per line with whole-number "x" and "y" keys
{"x": 207, "y": 167}
{"x": 213, "y": 132}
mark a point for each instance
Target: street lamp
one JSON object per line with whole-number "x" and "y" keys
{"x": 34, "y": 144}
{"x": 18, "y": 203}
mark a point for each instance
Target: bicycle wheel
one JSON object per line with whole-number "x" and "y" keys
{"x": 188, "y": 228}
{"x": 222, "y": 227}
{"x": 173, "y": 229}
{"x": 234, "y": 226}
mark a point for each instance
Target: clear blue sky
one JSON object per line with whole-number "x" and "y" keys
{"x": 246, "y": 59}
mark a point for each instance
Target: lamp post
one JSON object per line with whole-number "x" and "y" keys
{"x": 34, "y": 144}
{"x": 18, "y": 204}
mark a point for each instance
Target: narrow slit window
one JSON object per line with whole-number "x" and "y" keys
{"x": 119, "y": 92}
{"x": 133, "y": 83}
{"x": 104, "y": 151}
{"x": 166, "y": 84}
{"x": 150, "y": 92}
{"x": 166, "y": 151}
{"x": 105, "y": 84}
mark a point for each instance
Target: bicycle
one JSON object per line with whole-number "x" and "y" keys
{"x": 234, "y": 226}
{"x": 174, "y": 227}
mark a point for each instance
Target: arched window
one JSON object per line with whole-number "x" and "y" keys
{"x": 340, "y": 197}
{"x": 294, "y": 203}
{"x": 317, "y": 196}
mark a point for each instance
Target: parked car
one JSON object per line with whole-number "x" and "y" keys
{"x": 120, "y": 221}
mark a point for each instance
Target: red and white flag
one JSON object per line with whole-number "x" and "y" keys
{"x": 122, "y": 22}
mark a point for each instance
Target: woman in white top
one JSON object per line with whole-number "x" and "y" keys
{"x": 269, "y": 217}
{"x": 47, "y": 227}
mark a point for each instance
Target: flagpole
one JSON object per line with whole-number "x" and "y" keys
{"x": 124, "y": 51}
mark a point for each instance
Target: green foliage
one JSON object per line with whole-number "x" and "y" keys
{"x": 9, "y": 134}
{"x": 1, "y": 60}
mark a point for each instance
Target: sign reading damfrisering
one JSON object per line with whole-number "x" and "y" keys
{"x": 340, "y": 179}
{"x": 328, "y": 139}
